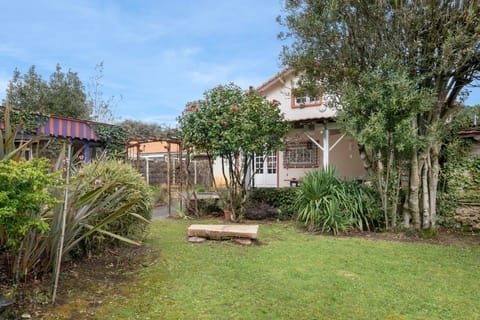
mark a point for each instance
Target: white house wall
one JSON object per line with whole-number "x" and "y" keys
{"x": 344, "y": 156}
{"x": 282, "y": 90}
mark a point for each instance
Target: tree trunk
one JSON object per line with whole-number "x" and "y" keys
{"x": 434, "y": 172}
{"x": 413, "y": 198}
{"x": 425, "y": 195}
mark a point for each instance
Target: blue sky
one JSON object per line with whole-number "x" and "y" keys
{"x": 157, "y": 54}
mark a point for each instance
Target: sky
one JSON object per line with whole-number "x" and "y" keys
{"x": 157, "y": 54}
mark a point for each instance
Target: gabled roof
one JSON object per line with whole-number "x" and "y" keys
{"x": 300, "y": 114}
{"x": 279, "y": 77}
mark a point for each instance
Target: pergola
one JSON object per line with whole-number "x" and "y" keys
{"x": 135, "y": 143}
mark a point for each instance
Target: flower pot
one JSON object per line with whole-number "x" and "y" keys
{"x": 228, "y": 215}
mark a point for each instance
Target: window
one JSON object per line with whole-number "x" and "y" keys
{"x": 271, "y": 160}
{"x": 301, "y": 99}
{"x": 301, "y": 155}
{"x": 259, "y": 164}
{"x": 271, "y": 163}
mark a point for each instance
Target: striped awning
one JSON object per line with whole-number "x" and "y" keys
{"x": 68, "y": 128}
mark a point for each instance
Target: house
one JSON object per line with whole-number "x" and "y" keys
{"x": 154, "y": 149}
{"x": 314, "y": 141}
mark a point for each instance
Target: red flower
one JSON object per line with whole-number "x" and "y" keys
{"x": 196, "y": 109}
{"x": 234, "y": 108}
{"x": 247, "y": 93}
{"x": 189, "y": 108}
{"x": 225, "y": 123}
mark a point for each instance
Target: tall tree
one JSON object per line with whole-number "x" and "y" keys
{"x": 63, "y": 95}
{"x": 437, "y": 45}
{"x": 66, "y": 95}
{"x": 28, "y": 91}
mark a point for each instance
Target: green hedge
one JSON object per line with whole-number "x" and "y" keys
{"x": 279, "y": 198}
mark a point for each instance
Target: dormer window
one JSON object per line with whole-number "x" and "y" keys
{"x": 301, "y": 98}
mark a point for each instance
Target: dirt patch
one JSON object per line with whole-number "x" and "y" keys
{"x": 84, "y": 286}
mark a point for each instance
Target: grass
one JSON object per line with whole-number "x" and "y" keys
{"x": 297, "y": 276}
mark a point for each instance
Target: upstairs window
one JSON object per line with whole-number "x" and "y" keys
{"x": 302, "y": 98}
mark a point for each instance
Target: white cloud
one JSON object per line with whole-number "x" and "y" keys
{"x": 211, "y": 75}
{"x": 176, "y": 56}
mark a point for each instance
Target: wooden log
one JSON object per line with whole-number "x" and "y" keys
{"x": 223, "y": 231}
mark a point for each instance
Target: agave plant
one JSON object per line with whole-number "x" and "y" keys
{"x": 329, "y": 204}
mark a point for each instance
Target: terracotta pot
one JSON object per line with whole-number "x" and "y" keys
{"x": 228, "y": 215}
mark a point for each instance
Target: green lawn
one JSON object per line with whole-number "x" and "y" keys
{"x": 298, "y": 276}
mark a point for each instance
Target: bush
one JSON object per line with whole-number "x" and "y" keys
{"x": 24, "y": 197}
{"x": 261, "y": 211}
{"x": 133, "y": 188}
{"x": 25, "y": 202}
{"x": 282, "y": 199}
{"x": 209, "y": 207}
{"x": 328, "y": 204}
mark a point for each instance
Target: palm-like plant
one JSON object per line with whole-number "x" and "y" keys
{"x": 329, "y": 204}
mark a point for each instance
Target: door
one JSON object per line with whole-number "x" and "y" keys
{"x": 265, "y": 167}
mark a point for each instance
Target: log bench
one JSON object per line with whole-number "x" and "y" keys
{"x": 222, "y": 231}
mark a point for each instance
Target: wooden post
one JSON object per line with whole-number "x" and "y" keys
{"x": 147, "y": 170}
{"x": 58, "y": 262}
{"x": 180, "y": 174}
{"x": 138, "y": 157}
{"x": 169, "y": 185}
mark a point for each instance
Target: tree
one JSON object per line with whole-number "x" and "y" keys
{"x": 102, "y": 110}
{"x": 66, "y": 96}
{"x": 435, "y": 43}
{"x": 233, "y": 125}
{"x": 63, "y": 95}
{"x": 381, "y": 113}
{"x": 137, "y": 129}
{"x": 28, "y": 92}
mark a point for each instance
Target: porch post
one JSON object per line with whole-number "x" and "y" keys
{"x": 87, "y": 151}
{"x": 326, "y": 147}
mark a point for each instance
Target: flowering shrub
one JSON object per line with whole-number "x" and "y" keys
{"x": 234, "y": 125}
